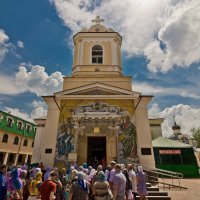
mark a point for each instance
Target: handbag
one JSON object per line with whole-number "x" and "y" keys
{"x": 109, "y": 195}
{"x": 130, "y": 195}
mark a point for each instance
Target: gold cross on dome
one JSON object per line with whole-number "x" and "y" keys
{"x": 98, "y": 20}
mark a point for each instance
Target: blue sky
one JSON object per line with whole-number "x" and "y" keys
{"x": 161, "y": 46}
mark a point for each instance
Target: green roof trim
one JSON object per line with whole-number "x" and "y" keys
{"x": 23, "y": 131}
{"x": 168, "y": 143}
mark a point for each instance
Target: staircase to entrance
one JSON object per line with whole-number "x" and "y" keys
{"x": 158, "y": 181}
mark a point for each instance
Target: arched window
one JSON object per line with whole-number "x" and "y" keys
{"x": 19, "y": 125}
{"x": 28, "y": 128}
{"x": 97, "y": 54}
{"x": 16, "y": 140}
{"x": 5, "y": 138}
{"x": 9, "y": 122}
{"x": 25, "y": 143}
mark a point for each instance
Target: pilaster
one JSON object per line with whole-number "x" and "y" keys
{"x": 48, "y": 144}
{"x": 144, "y": 140}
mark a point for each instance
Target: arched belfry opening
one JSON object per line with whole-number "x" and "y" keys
{"x": 97, "y": 54}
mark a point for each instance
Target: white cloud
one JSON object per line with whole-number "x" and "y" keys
{"x": 186, "y": 116}
{"x": 34, "y": 80}
{"x": 174, "y": 23}
{"x": 20, "y": 44}
{"x": 40, "y": 109}
{"x": 8, "y": 85}
{"x": 4, "y": 45}
{"x": 146, "y": 88}
{"x": 79, "y": 13}
{"x": 3, "y": 37}
{"x": 19, "y": 113}
{"x": 180, "y": 34}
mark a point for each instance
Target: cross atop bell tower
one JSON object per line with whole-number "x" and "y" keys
{"x": 97, "y": 20}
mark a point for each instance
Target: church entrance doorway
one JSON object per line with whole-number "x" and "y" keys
{"x": 96, "y": 154}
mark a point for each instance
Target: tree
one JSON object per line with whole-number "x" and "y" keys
{"x": 196, "y": 136}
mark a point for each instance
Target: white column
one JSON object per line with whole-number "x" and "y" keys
{"x": 80, "y": 52}
{"x": 5, "y": 158}
{"x": 16, "y": 159}
{"x": 143, "y": 130}
{"x": 26, "y": 158}
{"x": 114, "y": 53}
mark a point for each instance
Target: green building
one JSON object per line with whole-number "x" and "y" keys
{"x": 175, "y": 156}
{"x": 16, "y": 139}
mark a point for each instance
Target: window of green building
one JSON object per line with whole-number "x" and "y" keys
{"x": 25, "y": 143}
{"x": 9, "y": 122}
{"x": 5, "y": 138}
{"x": 16, "y": 140}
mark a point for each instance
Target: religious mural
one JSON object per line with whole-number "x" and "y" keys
{"x": 65, "y": 143}
{"x": 127, "y": 140}
{"x": 111, "y": 115}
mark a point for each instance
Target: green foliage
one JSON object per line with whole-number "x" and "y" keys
{"x": 196, "y": 136}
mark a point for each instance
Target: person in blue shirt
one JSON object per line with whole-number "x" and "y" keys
{"x": 3, "y": 185}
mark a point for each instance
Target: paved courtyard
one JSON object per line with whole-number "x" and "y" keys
{"x": 192, "y": 193}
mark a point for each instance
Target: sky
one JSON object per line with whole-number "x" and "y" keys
{"x": 160, "y": 50}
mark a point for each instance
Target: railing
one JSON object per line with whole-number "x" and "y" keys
{"x": 164, "y": 177}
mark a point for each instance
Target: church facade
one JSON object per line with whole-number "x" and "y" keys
{"x": 97, "y": 116}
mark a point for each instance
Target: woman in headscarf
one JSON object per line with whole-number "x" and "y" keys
{"x": 25, "y": 183}
{"x": 34, "y": 185}
{"x": 80, "y": 188}
{"x": 91, "y": 175}
{"x": 47, "y": 173}
{"x": 10, "y": 188}
{"x": 141, "y": 180}
{"x": 101, "y": 188}
{"x": 16, "y": 182}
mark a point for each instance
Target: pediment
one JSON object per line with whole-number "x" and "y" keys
{"x": 96, "y": 89}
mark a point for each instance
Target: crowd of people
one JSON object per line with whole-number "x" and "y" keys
{"x": 116, "y": 182}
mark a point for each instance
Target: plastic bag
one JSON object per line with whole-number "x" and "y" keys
{"x": 130, "y": 195}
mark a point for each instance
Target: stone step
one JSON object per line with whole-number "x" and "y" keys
{"x": 153, "y": 188}
{"x": 148, "y": 184}
{"x": 156, "y": 198}
{"x": 157, "y": 193}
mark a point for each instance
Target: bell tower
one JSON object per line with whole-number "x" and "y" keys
{"x": 97, "y": 50}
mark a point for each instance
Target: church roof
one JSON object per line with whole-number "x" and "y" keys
{"x": 98, "y": 86}
{"x": 168, "y": 143}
